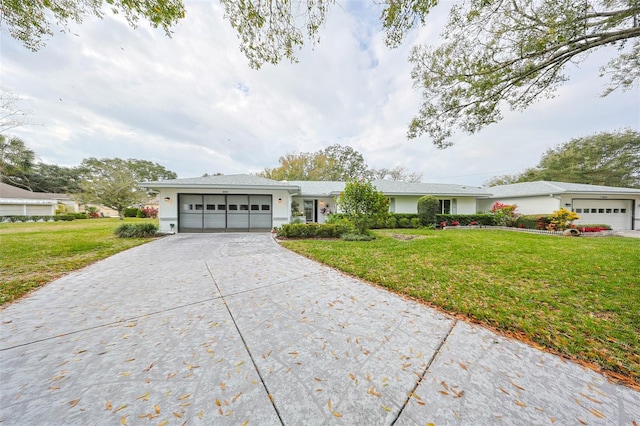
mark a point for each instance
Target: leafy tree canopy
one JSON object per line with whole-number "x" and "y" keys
{"x": 113, "y": 182}
{"x": 494, "y": 53}
{"x": 335, "y": 163}
{"x": 16, "y": 161}
{"x": 610, "y": 159}
{"x": 31, "y": 22}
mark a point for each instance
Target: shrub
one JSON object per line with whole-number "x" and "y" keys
{"x": 483, "y": 219}
{"x": 64, "y": 217}
{"x": 416, "y": 223}
{"x": 562, "y": 218}
{"x": 80, "y": 216}
{"x": 428, "y": 208}
{"x": 391, "y": 222}
{"x": 136, "y": 230}
{"x": 150, "y": 212}
{"x": 505, "y": 214}
{"x": 315, "y": 230}
{"x": 404, "y": 223}
{"x": 593, "y": 227}
{"x": 131, "y": 212}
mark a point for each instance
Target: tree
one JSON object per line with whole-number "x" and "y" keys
{"x": 54, "y": 178}
{"x": 610, "y": 159}
{"x": 334, "y": 163}
{"x": 398, "y": 173}
{"x": 10, "y": 114}
{"x": 113, "y": 182}
{"x": 494, "y": 52}
{"x": 16, "y": 161}
{"x": 363, "y": 204}
{"x": 32, "y": 21}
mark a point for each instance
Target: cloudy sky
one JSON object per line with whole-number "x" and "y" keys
{"x": 192, "y": 103}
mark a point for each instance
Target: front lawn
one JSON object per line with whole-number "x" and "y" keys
{"x": 33, "y": 254}
{"x": 576, "y": 296}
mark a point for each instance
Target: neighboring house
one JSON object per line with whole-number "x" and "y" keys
{"x": 616, "y": 207}
{"x": 16, "y": 201}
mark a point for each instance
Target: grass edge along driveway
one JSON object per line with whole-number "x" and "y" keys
{"x": 578, "y": 297}
{"x": 35, "y": 253}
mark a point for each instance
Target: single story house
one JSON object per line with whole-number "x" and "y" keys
{"x": 228, "y": 203}
{"x": 16, "y": 201}
{"x": 595, "y": 204}
{"x": 251, "y": 203}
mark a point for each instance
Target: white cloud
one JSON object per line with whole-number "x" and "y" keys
{"x": 191, "y": 102}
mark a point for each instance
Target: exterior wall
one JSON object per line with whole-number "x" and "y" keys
{"x": 542, "y": 204}
{"x": 459, "y": 205}
{"x": 168, "y": 208}
{"x": 328, "y": 204}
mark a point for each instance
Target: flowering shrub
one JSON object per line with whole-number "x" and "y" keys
{"x": 455, "y": 223}
{"x": 473, "y": 223}
{"x": 561, "y": 219}
{"x": 150, "y": 212}
{"x": 505, "y": 214}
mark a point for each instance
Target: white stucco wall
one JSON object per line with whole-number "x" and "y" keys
{"x": 409, "y": 204}
{"x": 526, "y": 205}
{"x": 168, "y": 210}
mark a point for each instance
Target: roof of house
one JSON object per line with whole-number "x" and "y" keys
{"x": 528, "y": 189}
{"x": 221, "y": 181}
{"x": 319, "y": 188}
{"x": 10, "y": 191}
{"x": 393, "y": 187}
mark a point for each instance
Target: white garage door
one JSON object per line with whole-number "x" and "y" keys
{"x": 615, "y": 213}
{"x": 224, "y": 213}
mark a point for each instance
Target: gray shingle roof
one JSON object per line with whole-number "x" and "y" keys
{"x": 319, "y": 188}
{"x": 391, "y": 187}
{"x": 239, "y": 181}
{"x": 10, "y": 191}
{"x": 525, "y": 189}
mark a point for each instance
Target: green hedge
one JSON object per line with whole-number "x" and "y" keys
{"x": 314, "y": 230}
{"x": 481, "y": 219}
{"x": 131, "y": 212}
{"x": 533, "y": 221}
{"x": 136, "y": 230}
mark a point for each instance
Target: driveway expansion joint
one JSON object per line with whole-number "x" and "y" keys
{"x": 244, "y": 342}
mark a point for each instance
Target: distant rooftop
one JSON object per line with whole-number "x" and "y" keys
{"x": 546, "y": 187}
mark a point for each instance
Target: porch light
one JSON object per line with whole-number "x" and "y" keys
{"x": 279, "y": 200}
{"x": 167, "y": 199}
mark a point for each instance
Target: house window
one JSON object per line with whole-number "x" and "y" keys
{"x": 600, "y": 210}
{"x": 266, "y": 207}
{"x": 616, "y": 210}
{"x": 222, "y": 206}
{"x": 578, "y": 210}
{"x": 255, "y": 207}
{"x": 594, "y": 210}
{"x": 608, "y": 210}
{"x": 244, "y": 207}
{"x": 233, "y": 207}
{"x": 211, "y": 206}
{"x": 445, "y": 206}
{"x": 623, "y": 210}
{"x": 199, "y": 206}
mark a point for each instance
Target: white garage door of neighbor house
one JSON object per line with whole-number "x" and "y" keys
{"x": 615, "y": 213}
{"x": 224, "y": 213}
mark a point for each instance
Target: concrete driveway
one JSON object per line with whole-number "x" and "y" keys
{"x": 233, "y": 329}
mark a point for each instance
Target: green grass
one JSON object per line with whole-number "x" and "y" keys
{"x": 579, "y": 297}
{"x": 33, "y": 254}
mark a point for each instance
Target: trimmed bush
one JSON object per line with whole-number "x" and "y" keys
{"x": 64, "y": 217}
{"x": 391, "y": 222}
{"x": 404, "y": 223}
{"x": 136, "y": 230}
{"x": 428, "y": 209}
{"x": 315, "y": 230}
{"x": 416, "y": 223}
{"x": 131, "y": 212}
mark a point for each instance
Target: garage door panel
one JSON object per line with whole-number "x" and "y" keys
{"x": 615, "y": 213}
{"x": 215, "y": 212}
{"x": 238, "y": 212}
{"x": 260, "y": 211}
